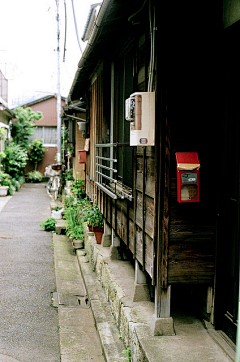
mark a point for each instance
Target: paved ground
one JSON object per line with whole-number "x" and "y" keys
{"x": 29, "y": 322}
{"x": 32, "y": 272}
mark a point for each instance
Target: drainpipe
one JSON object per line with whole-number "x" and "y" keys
{"x": 90, "y": 44}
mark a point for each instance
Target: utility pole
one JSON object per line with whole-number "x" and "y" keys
{"x": 58, "y": 90}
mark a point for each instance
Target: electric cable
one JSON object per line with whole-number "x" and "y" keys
{"x": 76, "y": 28}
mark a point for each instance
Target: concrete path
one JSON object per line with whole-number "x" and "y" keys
{"x": 28, "y": 321}
{"x": 79, "y": 340}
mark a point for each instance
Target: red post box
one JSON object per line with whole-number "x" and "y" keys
{"x": 82, "y": 156}
{"x": 187, "y": 177}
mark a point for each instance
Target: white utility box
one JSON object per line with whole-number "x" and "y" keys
{"x": 140, "y": 111}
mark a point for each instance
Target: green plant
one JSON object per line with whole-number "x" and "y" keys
{"x": 48, "y": 224}
{"x": 35, "y": 176}
{"x": 93, "y": 216}
{"x": 127, "y": 352}
{"x": 11, "y": 190}
{"x": 69, "y": 175}
{"x": 56, "y": 208}
{"x": 21, "y": 180}
{"x": 78, "y": 187}
{"x": 22, "y": 127}
{"x": 5, "y": 175}
{"x": 5, "y": 182}
{"x": 2, "y": 154}
{"x": 36, "y": 152}
{"x": 74, "y": 226}
{"x": 16, "y": 184}
{"x": 16, "y": 159}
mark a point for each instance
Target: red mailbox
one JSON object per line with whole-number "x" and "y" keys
{"x": 82, "y": 156}
{"x": 187, "y": 177}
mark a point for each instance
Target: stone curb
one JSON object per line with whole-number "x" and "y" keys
{"x": 106, "y": 326}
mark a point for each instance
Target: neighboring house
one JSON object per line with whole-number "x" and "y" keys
{"x": 5, "y": 113}
{"x": 187, "y": 54}
{"x": 46, "y": 128}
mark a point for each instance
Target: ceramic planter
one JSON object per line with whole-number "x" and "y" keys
{"x": 4, "y": 190}
{"x": 98, "y": 232}
{"x": 78, "y": 244}
{"x": 69, "y": 183}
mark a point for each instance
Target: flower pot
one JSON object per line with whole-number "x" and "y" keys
{"x": 98, "y": 232}
{"x": 4, "y": 190}
{"x": 78, "y": 244}
{"x": 69, "y": 183}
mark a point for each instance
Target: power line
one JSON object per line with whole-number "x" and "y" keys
{"x": 76, "y": 27}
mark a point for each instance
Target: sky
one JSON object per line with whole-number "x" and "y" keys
{"x": 28, "y": 46}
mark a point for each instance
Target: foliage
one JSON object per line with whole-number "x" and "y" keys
{"x": 74, "y": 227}
{"x": 70, "y": 150}
{"x": 21, "y": 180}
{"x": 92, "y": 216}
{"x": 3, "y": 135}
{"x": 5, "y": 182}
{"x": 22, "y": 128}
{"x": 48, "y": 224}
{"x": 11, "y": 190}
{"x": 5, "y": 175}
{"x": 78, "y": 187}
{"x": 35, "y": 176}
{"x": 2, "y": 154}
{"x": 69, "y": 175}
{"x": 127, "y": 352}
{"x": 16, "y": 159}
{"x": 16, "y": 184}
{"x": 36, "y": 152}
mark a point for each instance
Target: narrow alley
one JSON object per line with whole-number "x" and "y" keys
{"x": 29, "y": 322}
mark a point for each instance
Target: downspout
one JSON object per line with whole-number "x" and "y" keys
{"x": 90, "y": 44}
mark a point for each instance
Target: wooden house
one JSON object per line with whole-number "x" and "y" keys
{"x": 186, "y": 54}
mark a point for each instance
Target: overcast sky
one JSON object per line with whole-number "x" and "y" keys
{"x": 28, "y": 43}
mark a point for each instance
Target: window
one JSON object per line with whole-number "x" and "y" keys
{"x": 123, "y": 78}
{"x": 47, "y": 134}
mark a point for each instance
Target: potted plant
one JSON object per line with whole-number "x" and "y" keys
{"x": 95, "y": 222}
{"x": 4, "y": 186}
{"x": 78, "y": 188}
{"x": 74, "y": 227}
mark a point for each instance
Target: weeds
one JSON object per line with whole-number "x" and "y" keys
{"x": 127, "y": 352}
{"x": 48, "y": 224}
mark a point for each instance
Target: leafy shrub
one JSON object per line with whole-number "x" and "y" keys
{"x": 11, "y": 190}
{"x": 15, "y": 161}
{"x": 16, "y": 184}
{"x": 5, "y": 175}
{"x": 21, "y": 180}
{"x": 48, "y": 224}
{"x": 36, "y": 152}
{"x": 92, "y": 215}
{"x": 5, "y": 182}
{"x": 35, "y": 176}
{"x": 78, "y": 187}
